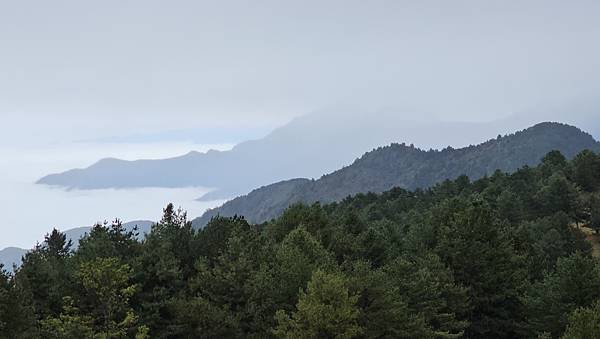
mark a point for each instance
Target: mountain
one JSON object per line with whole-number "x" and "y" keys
{"x": 410, "y": 167}
{"x": 13, "y": 255}
{"x": 306, "y": 147}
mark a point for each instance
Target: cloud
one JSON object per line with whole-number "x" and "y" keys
{"x": 143, "y": 65}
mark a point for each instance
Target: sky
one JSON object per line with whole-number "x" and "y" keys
{"x": 85, "y": 80}
{"x": 73, "y": 70}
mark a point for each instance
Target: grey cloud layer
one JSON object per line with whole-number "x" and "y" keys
{"x": 143, "y": 63}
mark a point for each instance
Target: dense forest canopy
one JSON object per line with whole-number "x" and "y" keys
{"x": 505, "y": 256}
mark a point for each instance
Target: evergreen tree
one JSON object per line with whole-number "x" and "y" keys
{"x": 595, "y": 213}
{"x": 56, "y": 245}
{"x": 44, "y": 274}
{"x": 214, "y": 236}
{"x": 584, "y": 323}
{"x": 17, "y": 319}
{"x": 70, "y": 324}
{"x": 326, "y": 310}
{"x": 575, "y": 283}
{"x": 106, "y": 292}
{"x": 197, "y": 317}
{"x": 429, "y": 290}
{"x": 165, "y": 265}
{"x": 544, "y": 240}
{"x": 384, "y": 308}
{"x": 558, "y": 194}
{"x": 552, "y": 163}
{"x": 108, "y": 241}
{"x": 586, "y": 170}
{"x": 296, "y": 259}
{"x": 230, "y": 281}
{"x": 478, "y": 250}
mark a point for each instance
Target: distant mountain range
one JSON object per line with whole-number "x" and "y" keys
{"x": 410, "y": 167}
{"x": 307, "y": 147}
{"x": 13, "y": 255}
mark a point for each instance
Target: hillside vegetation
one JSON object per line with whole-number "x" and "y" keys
{"x": 11, "y": 256}
{"x": 493, "y": 258}
{"x": 400, "y": 165}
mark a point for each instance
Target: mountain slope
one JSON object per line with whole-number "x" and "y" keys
{"x": 409, "y": 167}
{"x": 11, "y": 256}
{"x": 306, "y": 147}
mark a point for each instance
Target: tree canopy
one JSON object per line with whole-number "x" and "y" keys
{"x": 504, "y": 256}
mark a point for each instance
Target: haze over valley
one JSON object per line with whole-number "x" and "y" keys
{"x": 300, "y": 169}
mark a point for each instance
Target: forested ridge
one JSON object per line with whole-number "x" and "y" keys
{"x": 500, "y": 257}
{"x": 406, "y": 166}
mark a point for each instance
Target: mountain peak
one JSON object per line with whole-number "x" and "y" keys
{"x": 406, "y": 166}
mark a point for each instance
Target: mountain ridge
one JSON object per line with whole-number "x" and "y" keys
{"x": 306, "y": 147}
{"x": 409, "y": 167}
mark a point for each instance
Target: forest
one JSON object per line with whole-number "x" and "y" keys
{"x": 510, "y": 255}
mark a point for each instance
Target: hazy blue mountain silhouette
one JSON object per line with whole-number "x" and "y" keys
{"x": 306, "y": 147}
{"x": 400, "y": 165}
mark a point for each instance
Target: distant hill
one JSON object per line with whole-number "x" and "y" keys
{"x": 410, "y": 167}
{"x": 13, "y": 255}
{"x": 10, "y": 256}
{"x": 307, "y": 147}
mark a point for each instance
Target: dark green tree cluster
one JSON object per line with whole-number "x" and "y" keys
{"x": 500, "y": 257}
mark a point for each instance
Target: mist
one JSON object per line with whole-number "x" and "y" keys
{"x": 113, "y": 67}
{"x": 149, "y": 80}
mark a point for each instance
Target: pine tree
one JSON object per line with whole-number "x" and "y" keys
{"x": 584, "y": 323}
{"x": 326, "y": 310}
{"x": 575, "y": 283}
{"x": 107, "y": 290}
{"x": 478, "y": 250}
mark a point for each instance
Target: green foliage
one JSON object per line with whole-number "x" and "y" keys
{"x": 70, "y": 324}
{"x": 164, "y": 265}
{"x": 543, "y": 241}
{"x": 429, "y": 289}
{"x": 586, "y": 170}
{"x": 197, "y": 317}
{"x": 108, "y": 241}
{"x": 312, "y": 218}
{"x": 326, "y": 310}
{"x": 553, "y": 162}
{"x": 384, "y": 310}
{"x": 44, "y": 274}
{"x": 16, "y": 316}
{"x": 214, "y": 237}
{"x": 558, "y": 194}
{"x": 500, "y": 257}
{"x": 232, "y": 280}
{"x": 296, "y": 259}
{"x": 479, "y": 251}
{"x": 595, "y": 213}
{"x": 107, "y": 289}
{"x": 584, "y": 323}
{"x": 574, "y": 283}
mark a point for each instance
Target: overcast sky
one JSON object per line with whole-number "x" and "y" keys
{"x": 83, "y": 66}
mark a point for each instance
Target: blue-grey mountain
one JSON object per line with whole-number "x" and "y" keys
{"x": 307, "y": 147}
{"x": 401, "y": 165}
